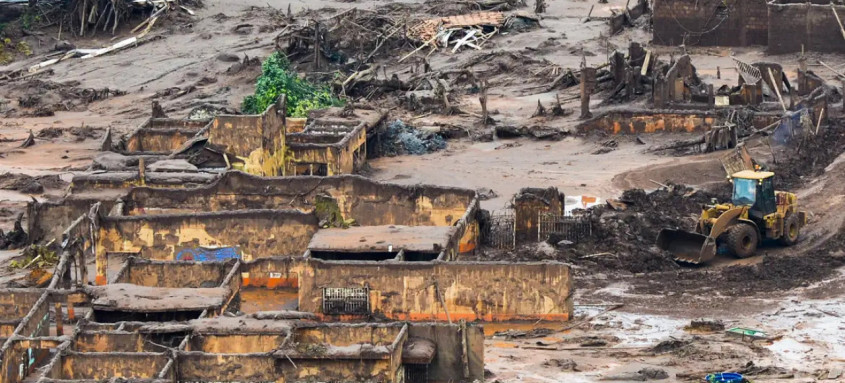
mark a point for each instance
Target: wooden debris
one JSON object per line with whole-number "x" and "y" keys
{"x": 29, "y": 140}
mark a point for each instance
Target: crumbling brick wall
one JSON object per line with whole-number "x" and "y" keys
{"x": 710, "y": 22}
{"x": 810, "y": 23}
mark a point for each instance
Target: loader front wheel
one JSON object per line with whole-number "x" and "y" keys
{"x": 742, "y": 240}
{"x": 791, "y": 229}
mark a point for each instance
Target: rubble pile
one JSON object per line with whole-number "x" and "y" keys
{"x": 400, "y": 138}
{"x": 809, "y": 158}
{"x": 624, "y": 236}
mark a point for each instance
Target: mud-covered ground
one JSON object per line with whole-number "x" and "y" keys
{"x": 212, "y": 58}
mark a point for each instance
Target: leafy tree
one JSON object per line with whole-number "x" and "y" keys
{"x": 276, "y": 79}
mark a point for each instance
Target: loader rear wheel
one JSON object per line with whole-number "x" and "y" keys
{"x": 742, "y": 240}
{"x": 791, "y": 230}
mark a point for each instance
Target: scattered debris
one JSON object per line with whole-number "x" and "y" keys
{"x": 705, "y": 325}
{"x": 15, "y": 238}
{"x": 562, "y": 364}
{"x": 519, "y": 334}
{"x": 399, "y": 138}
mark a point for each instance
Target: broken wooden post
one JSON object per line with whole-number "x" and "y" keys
{"x": 141, "y": 175}
{"x": 589, "y": 13}
{"x": 718, "y": 73}
{"x": 711, "y": 96}
{"x": 777, "y": 91}
{"x": 630, "y": 86}
{"x": 29, "y": 141}
{"x": 158, "y": 112}
{"x": 316, "y": 45}
{"x": 658, "y": 91}
{"x": 482, "y": 98}
{"x": 540, "y": 6}
{"x": 588, "y": 82}
{"x": 106, "y": 144}
{"x": 540, "y": 111}
{"x": 59, "y": 319}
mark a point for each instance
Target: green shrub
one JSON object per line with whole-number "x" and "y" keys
{"x": 277, "y": 79}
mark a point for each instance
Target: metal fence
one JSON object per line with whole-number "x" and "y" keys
{"x": 502, "y": 230}
{"x": 416, "y": 373}
{"x": 563, "y": 227}
{"x": 346, "y": 301}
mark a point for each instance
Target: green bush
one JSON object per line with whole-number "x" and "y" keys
{"x": 277, "y": 79}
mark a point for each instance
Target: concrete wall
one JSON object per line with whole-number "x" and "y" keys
{"x": 247, "y": 234}
{"x": 528, "y": 205}
{"x": 347, "y": 334}
{"x": 111, "y": 365}
{"x": 746, "y": 24}
{"x": 643, "y": 121}
{"x": 811, "y": 23}
{"x": 236, "y": 343}
{"x": 16, "y": 357}
{"x": 174, "y": 274}
{"x": 16, "y": 303}
{"x": 339, "y": 157}
{"x": 258, "y": 139}
{"x": 162, "y": 135}
{"x": 471, "y": 291}
{"x": 194, "y": 366}
{"x": 635, "y": 121}
{"x": 48, "y": 220}
{"x": 112, "y": 342}
{"x": 448, "y": 359}
{"x": 370, "y": 203}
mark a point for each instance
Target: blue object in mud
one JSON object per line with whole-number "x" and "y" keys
{"x": 724, "y": 377}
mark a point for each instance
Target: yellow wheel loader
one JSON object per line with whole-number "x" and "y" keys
{"x": 756, "y": 212}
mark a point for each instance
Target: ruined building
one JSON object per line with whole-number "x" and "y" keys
{"x": 247, "y": 278}
{"x": 783, "y": 26}
{"x": 333, "y": 142}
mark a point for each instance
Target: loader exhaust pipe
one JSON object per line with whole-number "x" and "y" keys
{"x": 686, "y": 246}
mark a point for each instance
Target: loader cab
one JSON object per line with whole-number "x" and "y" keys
{"x": 756, "y": 190}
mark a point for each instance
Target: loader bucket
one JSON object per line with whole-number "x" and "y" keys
{"x": 686, "y": 246}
